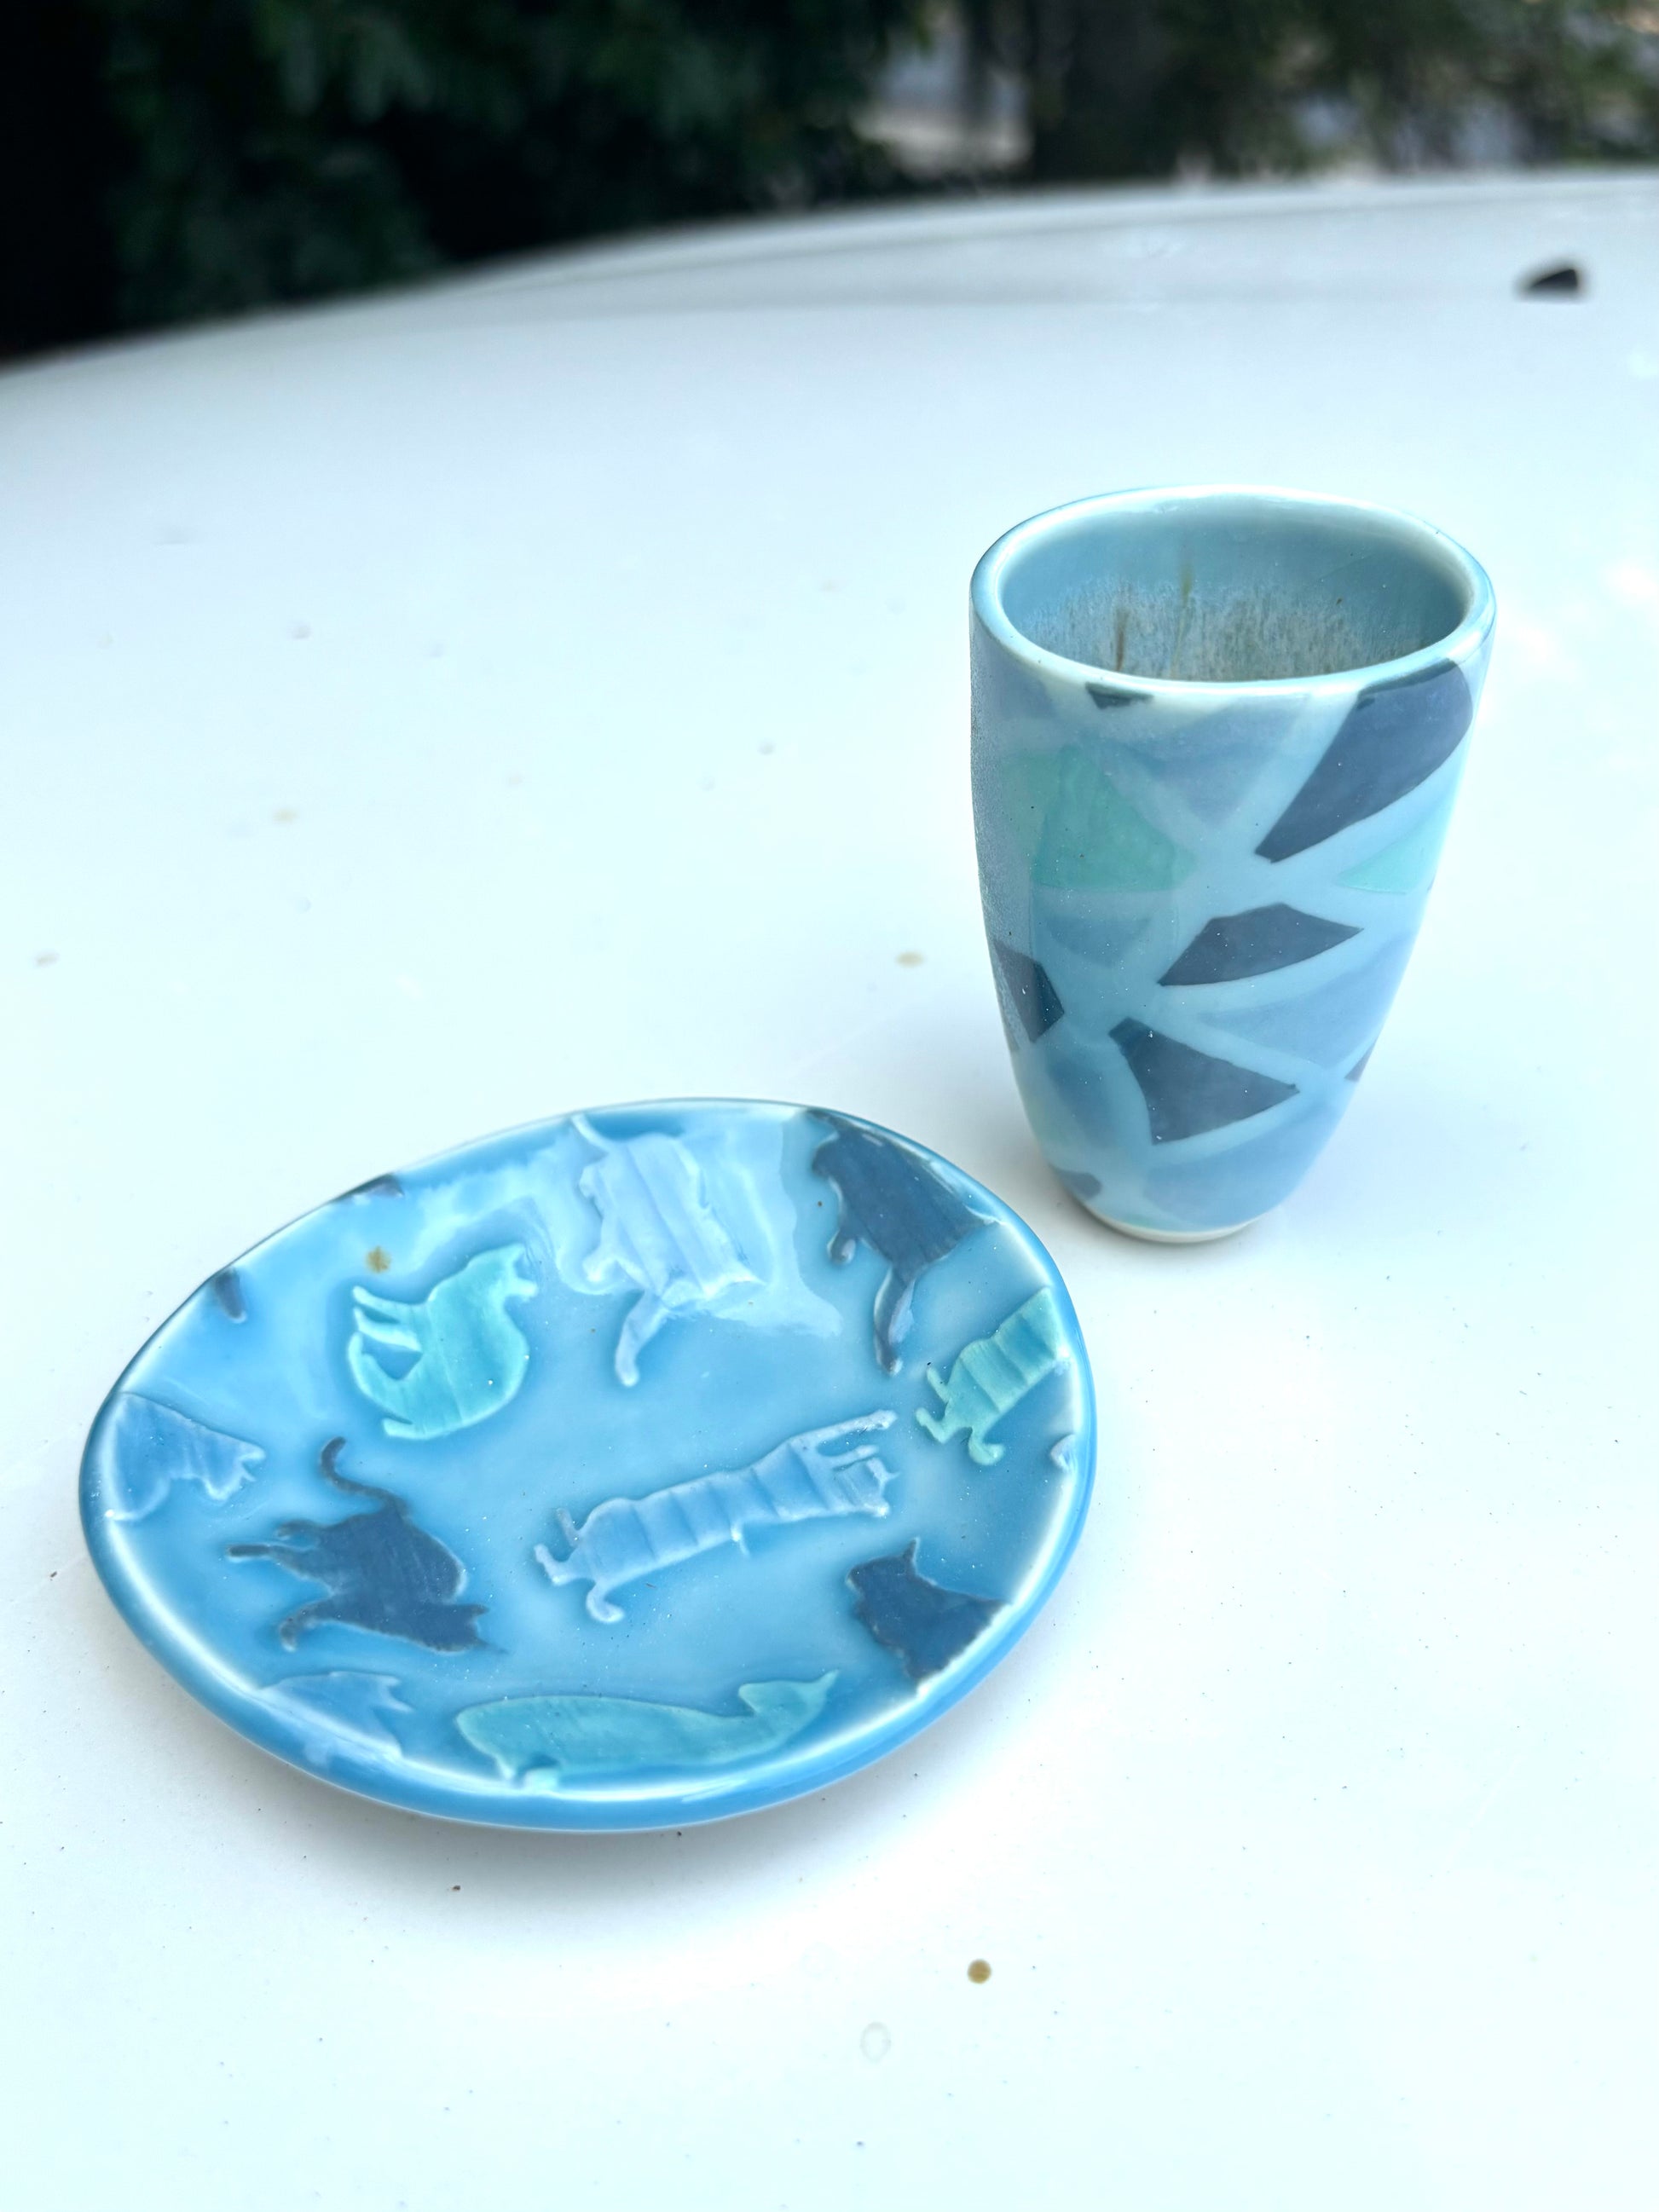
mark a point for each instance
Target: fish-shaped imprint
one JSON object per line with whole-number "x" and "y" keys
{"x": 924, "y": 1624}
{"x": 153, "y": 1446}
{"x": 891, "y": 1200}
{"x": 658, "y": 1234}
{"x": 380, "y": 1570}
{"x": 824, "y": 1473}
{"x": 544, "y": 1741}
{"x": 470, "y": 1355}
{"x": 994, "y": 1373}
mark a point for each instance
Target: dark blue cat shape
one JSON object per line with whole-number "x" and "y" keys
{"x": 891, "y": 1200}
{"x": 380, "y": 1570}
{"x": 922, "y": 1623}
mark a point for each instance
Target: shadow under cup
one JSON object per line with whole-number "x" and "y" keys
{"x": 1218, "y": 734}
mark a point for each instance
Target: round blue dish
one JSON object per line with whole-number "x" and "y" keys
{"x": 634, "y": 1468}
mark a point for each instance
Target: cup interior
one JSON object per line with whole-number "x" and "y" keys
{"x": 1232, "y": 587}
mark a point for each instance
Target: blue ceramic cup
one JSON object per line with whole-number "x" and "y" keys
{"x": 1218, "y": 732}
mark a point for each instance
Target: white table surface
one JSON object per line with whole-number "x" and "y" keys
{"x": 551, "y": 689}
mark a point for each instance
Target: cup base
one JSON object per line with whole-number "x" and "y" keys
{"x": 1175, "y": 1236}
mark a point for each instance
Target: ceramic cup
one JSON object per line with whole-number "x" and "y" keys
{"x": 1218, "y": 732}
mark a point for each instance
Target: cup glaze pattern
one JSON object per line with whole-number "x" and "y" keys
{"x": 1199, "y": 899}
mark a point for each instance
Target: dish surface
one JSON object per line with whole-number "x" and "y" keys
{"x": 634, "y": 1468}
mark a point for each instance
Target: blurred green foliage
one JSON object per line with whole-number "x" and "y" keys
{"x": 164, "y": 158}
{"x": 1142, "y": 88}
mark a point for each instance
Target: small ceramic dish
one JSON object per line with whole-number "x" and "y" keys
{"x": 631, "y": 1469}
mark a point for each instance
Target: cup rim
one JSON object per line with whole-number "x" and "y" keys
{"x": 1458, "y": 644}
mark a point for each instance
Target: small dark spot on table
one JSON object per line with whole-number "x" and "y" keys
{"x": 46, "y": 959}
{"x": 1563, "y": 280}
{"x": 378, "y": 1258}
{"x": 910, "y": 959}
{"x": 979, "y": 1970}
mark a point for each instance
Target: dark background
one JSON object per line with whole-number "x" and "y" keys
{"x": 162, "y": 160}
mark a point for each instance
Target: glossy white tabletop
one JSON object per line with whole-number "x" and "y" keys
{"x": 551, "y": 689}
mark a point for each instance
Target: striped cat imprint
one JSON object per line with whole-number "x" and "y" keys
{"x": 659, "y": 1235}
{"x": 803, "y": 1479}
{"x": 994, "y": 1373}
